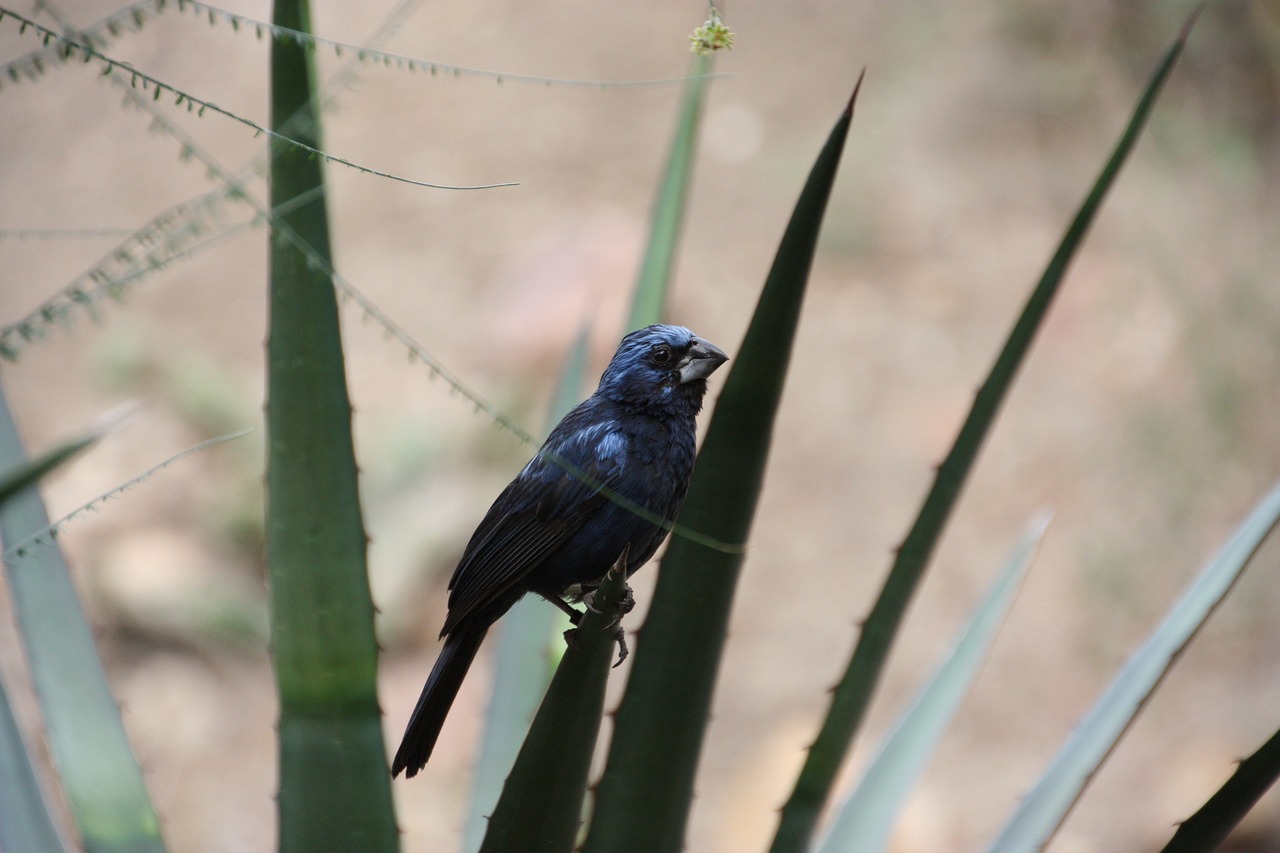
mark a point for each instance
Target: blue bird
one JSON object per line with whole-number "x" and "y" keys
{"x": 553, "y": 531}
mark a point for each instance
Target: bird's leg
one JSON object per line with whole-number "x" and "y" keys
{"x": 575, "y": 615}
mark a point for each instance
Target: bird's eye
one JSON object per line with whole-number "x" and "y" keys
{"x": 662, "y": 355}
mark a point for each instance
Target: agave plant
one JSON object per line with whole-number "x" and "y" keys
{"x": 534, "y": 792}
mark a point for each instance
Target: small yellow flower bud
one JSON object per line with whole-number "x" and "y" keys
{"x": 711, "y": 36}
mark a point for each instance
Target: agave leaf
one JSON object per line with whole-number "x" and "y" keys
{"x": 1211, "y": 825}
{"x": 540, "y": 810}
{"x": 99, "y": 773}
{"x": 667, "y": 218}
{"x": 864, "y": 823}
{"x": 1041, "y": 812}
{"x": 854, "y": 690}
{"x": 523, "y": 662}
{"x": 25, "y": 821}
{"x": 334, "y": 782}
{"x": 19, "y": 476}
{"x": 643, "y": 799}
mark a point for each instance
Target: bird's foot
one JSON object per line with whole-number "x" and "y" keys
{"x": 625, "y": 605}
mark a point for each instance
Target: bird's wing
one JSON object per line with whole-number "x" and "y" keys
{"x": 538, "y": 512}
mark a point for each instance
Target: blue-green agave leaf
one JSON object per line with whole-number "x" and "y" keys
{"x": 1046, "y": 806}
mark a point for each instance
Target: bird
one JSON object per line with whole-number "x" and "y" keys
{"x": 570, "y": 513}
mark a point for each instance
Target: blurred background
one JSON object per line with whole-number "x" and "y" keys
{"x": 1145, "y": 418}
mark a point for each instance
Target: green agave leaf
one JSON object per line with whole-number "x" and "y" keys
{"x": 524, "y": 657}
{"x": 1046, "y": 806}
{"x": 100, "y": 775}
{"x": 25, "y": 821}
{"x": 667, "y": 219}
{"x": 1211, "y": 825}
{"x": 643, "y": 799}
{"x": 23, "y": 474}
{"x": 540, "y": 810}
{"x": 853, "y": 692}
{"x": 335, "y": 792}
{"x": 864, "y": 823}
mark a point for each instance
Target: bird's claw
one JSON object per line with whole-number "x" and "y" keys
{"x": 621, "y": 637}
{"x": 625, "y": 605}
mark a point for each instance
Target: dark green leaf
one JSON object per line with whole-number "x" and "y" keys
{"x": 334, "y": 782}
{"x": 643, "y": 799}
{"x": 541, "y": 805}
{"x": 853, "y": 692}
{"x": 19, "y": 477}
{"x": 1210, "y": 826}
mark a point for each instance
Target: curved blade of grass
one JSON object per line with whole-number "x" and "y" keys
{"x": 335, "y": 792}
{"x": 643, "y": 799}
{"x": 853, "y": 692}
{"x": 25, "y": 821}
{"x": 650, "y": 298}
{"x": 1211, "y": 825}
{"x": 523, "y": 662}
{"x": 1042, "y": 811}
{"x": 99, "y": 773}
{"x": 864, "y": 823}
{"x": 540, "y": 810}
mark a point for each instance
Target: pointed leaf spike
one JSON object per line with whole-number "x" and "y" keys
{"x": 857, "y": 87}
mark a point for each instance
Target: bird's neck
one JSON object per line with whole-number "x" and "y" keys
{"x": 679, "y": 401}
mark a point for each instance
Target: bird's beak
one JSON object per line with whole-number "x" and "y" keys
{"x": 700, "y": 361}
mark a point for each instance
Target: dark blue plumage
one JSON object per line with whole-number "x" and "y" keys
{"x": 553, "y": 529}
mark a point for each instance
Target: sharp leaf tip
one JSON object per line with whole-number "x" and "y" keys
{"x": 848, "y": 110}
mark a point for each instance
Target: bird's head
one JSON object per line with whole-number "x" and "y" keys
{"x": 659, "y": 365}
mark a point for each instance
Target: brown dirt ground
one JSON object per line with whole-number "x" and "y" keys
{"x": 1145, "y": 418}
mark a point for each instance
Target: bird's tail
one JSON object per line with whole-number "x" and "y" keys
{"x": 436, "y": 699}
